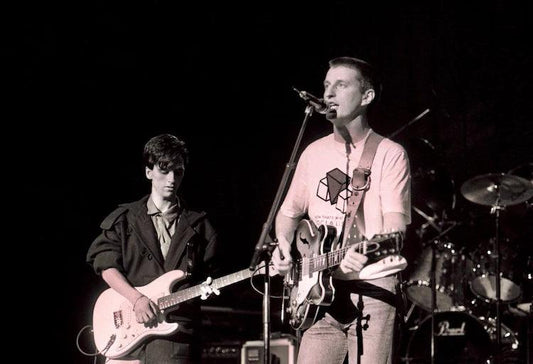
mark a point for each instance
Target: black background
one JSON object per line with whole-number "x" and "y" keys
{"x": 88, "y": 82}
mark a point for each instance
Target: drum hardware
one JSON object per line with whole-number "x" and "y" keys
{"x": 430, "y": 221}
{"x": 524, "y": 306}
{"x": 524, "y": 170}
{"x": 442, "y": 232}
{"x": 433, "y": 299}
{"x": 434, "y": 186}
{"x": 508, "y": 336}
{"x": 497, "y": 191}
{"x": 461, "y": 337}
{"x": 424, "y": 288}
{"x": 435, "y": 196}
{"x": 483, "y": 283}
{"x": 450, "y": 267}
{"x": 458, "y": 338}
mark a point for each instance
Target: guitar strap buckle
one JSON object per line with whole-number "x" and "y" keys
{"x": 361, "y": 179}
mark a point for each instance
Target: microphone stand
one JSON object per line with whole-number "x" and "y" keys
{"x": 263, "y": 248}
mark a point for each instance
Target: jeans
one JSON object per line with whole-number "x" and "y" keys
{"x": 328, "y": 340}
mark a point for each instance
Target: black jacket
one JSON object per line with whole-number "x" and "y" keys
{"x": 128, "y": 242}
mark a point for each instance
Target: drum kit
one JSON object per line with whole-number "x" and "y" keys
{"x": 463, "y": 289}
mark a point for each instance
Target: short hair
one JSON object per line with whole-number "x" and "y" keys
{"x": 166, "y": 151}
{"x": 370, "y": 78}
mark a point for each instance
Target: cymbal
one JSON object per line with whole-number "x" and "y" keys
{"x": 497, "y": 189}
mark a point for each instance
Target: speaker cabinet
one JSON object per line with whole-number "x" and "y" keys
{"x": 282, "y": 350}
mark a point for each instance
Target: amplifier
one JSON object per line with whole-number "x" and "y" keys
{"x": 227, "y": 352}
{"x": 283, "y": 351}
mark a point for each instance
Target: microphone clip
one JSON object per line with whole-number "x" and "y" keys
{"x": 318, "y": 104}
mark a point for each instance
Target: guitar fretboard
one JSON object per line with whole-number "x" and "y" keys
{"x": 196, "y": 291}
{"x": 308, "y": 266}
{"x": 323, "y": 261}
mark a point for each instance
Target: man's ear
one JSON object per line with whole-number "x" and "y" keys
{"x": 368, "y": 97}
{"x": 148, "y": 172}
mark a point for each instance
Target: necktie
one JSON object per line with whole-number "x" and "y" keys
{"x": 164, "y": 233}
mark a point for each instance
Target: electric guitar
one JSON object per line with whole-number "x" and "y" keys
{"x": 310, "y": 284}
{"x": 116, "y": 330}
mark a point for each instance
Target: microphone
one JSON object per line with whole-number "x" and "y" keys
{"x": 318, "y": 104}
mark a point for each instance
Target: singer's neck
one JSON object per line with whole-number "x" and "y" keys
{"x": 353, "y": 131}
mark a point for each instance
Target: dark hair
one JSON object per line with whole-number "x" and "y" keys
{"x": 166, "y": 151}
{"x": 370, "y": 79}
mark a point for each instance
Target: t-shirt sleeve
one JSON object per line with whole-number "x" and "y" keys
{"x": 396, "y": 183}
{"x": 296, "y": 202}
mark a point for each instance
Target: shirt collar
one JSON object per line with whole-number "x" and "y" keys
{"x": 170, "y": 214}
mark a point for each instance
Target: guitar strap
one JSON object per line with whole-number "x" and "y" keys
{"x": 360, "y": 183}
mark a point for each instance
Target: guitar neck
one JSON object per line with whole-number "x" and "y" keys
{"x": 327, "y": 260}
{"x": 176, "y": 298}
{"x": 334, "y": 258}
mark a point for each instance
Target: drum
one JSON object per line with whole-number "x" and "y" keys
{"x": 450, "y": 269}
{"x": 460, "y": 338}
{"x": 523, "y": 307}
{"x": 508, "y": 337}
{"x": 483, "y": 283}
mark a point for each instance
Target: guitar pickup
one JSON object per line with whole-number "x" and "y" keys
{"x": 117, "y": 319}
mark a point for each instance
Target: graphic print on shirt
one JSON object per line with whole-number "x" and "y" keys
{"x": 335, "y": 188}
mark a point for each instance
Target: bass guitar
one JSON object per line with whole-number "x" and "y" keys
{"x": 309, "y": 281}
{"x": 116, "y": 330}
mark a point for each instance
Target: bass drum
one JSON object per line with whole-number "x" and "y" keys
{"x": 460, "y": 339}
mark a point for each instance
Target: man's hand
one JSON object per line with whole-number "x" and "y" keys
{"x": 353, "y": 261}
{"x": 281, "y": 258}
{"x": 146, "y": 311}
{"x": 207, "y": 289}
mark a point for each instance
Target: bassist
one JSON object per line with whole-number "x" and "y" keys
{"x": 359, "y": 322}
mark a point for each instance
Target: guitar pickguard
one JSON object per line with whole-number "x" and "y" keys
{"x": 313, "y": 288}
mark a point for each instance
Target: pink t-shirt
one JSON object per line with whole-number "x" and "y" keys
{"x": 320, "y": 186}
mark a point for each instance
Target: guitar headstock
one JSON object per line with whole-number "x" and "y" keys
{"x": 395, "y": 238}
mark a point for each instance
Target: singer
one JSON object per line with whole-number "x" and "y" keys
{"x": 142, "y": 240}
{"x": 360, "y": 321}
